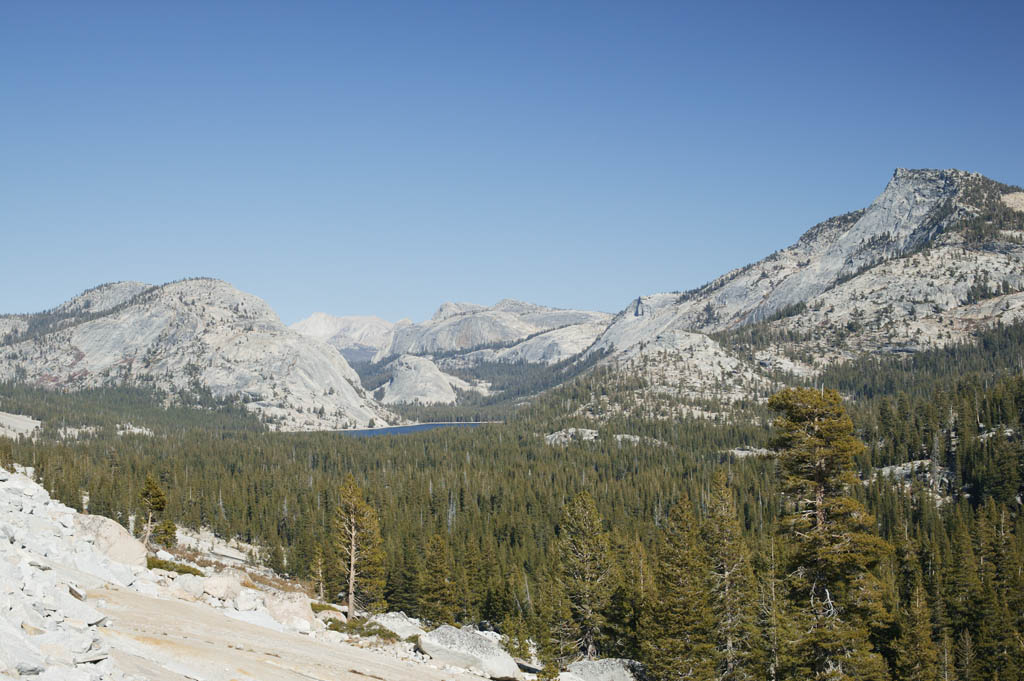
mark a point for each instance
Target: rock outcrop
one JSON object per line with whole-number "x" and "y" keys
{"x": 418, "y": 380}
{"x": 111, "y": 539}
{"x": 399, "y": 623}
{"x": 49, "y": 628}
{"x": 462, "y": 648}
{"x": 609, "y": 669}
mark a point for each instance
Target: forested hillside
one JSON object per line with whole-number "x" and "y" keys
{"x": 485, "y": 520}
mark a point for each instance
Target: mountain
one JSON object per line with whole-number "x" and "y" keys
{"x": 417, "y": 379}
{"x": 459, "y": 327}
{"x": 194, "y": 335}
{"x": 357, "y": 338}
{"x": 936, "y": 256}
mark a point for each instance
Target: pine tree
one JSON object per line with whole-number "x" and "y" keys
{"x": 586, "y": 569}
{"x": 358, "y": 551}
{"x": 628, "y": 600}
{"x": 166, "y": 533}
{"x": 516, "y": 635}
{"x": 966, "y": 657}
{"x": 836, "y": 597}
{"x": 153, "y": 501}
{"x": 917, "y": 657}
{"x": 276, "y": 559}
{"x": 555, "y": 630}
{"x": 438, "y": 597}
{"x": 403, "y": 586}
{"x": 776, "y": 624}
{"x": 733, "y": 588}
{"x": 678, "y": 630}
{"x": 318, "y": 571}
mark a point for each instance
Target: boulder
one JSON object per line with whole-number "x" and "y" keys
{"x": 292, "y": 610}
{"x": 193, "y": 585}
{"x": 458, "y": 648}
{"x": 223, "y": 585}
{"x": 111, "y": 539}
{"x": 399, "y": 623}
{"x": 247, "y": 599}
{"x": 608, "y": 669}
{"x": 17, "y": 655}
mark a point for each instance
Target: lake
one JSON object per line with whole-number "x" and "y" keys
{"x": 405, "y": 430}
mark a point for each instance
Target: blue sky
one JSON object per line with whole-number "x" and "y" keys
{"x": 380, "y": 158}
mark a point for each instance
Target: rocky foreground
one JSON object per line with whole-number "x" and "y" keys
{"x": 77, "y": 603}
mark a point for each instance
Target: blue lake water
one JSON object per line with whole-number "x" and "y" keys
{"x": 405, "y": 430}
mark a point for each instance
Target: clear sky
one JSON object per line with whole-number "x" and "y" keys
{"x": 380, "y": 158}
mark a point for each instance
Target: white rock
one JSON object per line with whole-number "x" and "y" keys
{"x": 17, "y": 655}
{"x": 417, "y": 379}
{"x": 224, "y": 586}
{"x": 292, "y": 610}
{"x": 608, "y": 669}
{"x": 111, "y": 539}
{"x": 450, "y": 646}
{"x": 399, "y": 623}
{"x": 193, "y": 585}
{"x": 248, "y": 599}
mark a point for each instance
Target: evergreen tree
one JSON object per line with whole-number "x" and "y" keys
{"x": 629, "y": 599}
{"x": 276, "y": 560}
{"x": 586, "y": 569}
{"x": 438, "y": 597}
{"x": 678, "y": 630}
{"x": 358, "y": 550}
{"x": 836, "y": 597}
{"x": 917, "y": 657}
{"x": 733, "y": 587}
{"x": 516, "y": 641}
{"x": 966, "y": 657}
{"x": 166, "y": 533}
{"x": 318, "y": 571}
{"x": 555, "y": 630}
{"x": 153, "y": 501}
{"x": 403, "y": 586}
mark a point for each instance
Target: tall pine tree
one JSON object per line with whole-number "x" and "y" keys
{"x": 358, "y": 551}
{"x": 587, "y": 569}
{"x": 678, "y": 630}
{"x": 835, "y": 595}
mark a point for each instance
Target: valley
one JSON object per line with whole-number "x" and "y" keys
{"x": 558, "y": 480}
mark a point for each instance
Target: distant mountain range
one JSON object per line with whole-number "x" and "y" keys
{"x": 937, "y": 255}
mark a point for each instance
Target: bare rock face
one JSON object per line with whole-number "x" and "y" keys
{"x": 460, "y": 648}
{"x": 910, "y": 272}
{"x": 463, "y": 326}
{"x": 417, "y": 379}
{"x": 111, "y": 539}
{"x": 356, "y": 338}
{"x": 193, "y": 331}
